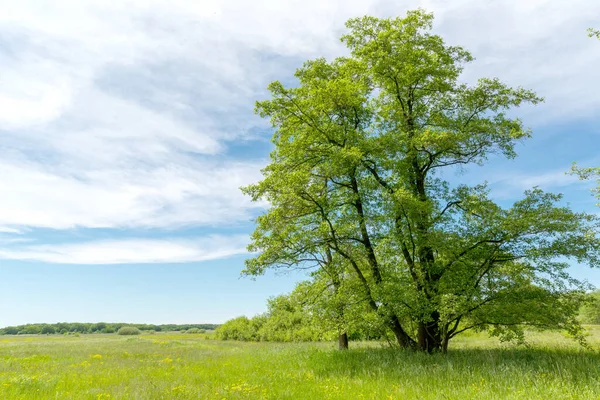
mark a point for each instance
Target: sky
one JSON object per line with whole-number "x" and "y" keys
{"x": 127, "y": 128}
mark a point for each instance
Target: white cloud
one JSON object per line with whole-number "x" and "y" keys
{"x": 7, "y": 229}
{"x": 510, "y": 185}
{"x": 132, "y": 251}
{"x": 548, "y": 179}
{"x": 118, "y": 114}
{"x": 166, "y": 196}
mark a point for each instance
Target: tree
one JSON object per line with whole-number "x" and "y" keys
{"x": 594, "y": 33}
{"x": 31, "y": 330}
{"x": 48, "y": 329}
{"x": 98, "y": 327}
{"x": 360, "y": 146}
{"x": 11, "y": 330}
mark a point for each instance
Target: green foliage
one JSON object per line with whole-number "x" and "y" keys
{"x": 239, "y": 328}
{"x": 30, "y": 330}
{"x": 357, "y": 171}
{"x": 128, "y": 330}
{"x": 195, "y": 331}
{"x": 287, "y": 321}
{"x": 48, "y": 330}
{"x": 594, "y": 33}
{"x": 10, "y": 330}
{"x": 305, "y": 315}
{"x": 590, "y": 310}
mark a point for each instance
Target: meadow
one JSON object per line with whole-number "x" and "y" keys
{"x": 184, "y": 366}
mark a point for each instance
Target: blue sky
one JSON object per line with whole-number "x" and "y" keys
{"x": 126, "y": 129}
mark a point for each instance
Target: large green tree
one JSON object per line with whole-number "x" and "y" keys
{"x": 361, "y": 143}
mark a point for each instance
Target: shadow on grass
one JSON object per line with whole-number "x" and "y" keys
{"x": 576, "y": 366}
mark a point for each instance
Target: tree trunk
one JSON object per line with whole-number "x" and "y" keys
{"x": 402, "y": 337}
{"x": 445, "y": 341}
{"x": 429, "y": 337}
{"x": 343, "y": 341}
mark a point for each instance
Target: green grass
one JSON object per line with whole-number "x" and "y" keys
{"x": 185, "y": 366}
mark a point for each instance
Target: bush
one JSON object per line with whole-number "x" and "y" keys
{"x": 236, "y": 329}
{"x": 195, "y": 330}
{"x": 129, "y": 330}
{"x": 590, "y": 310}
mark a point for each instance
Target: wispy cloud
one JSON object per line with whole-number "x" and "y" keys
{"x": 545, "y": 180}
{"x": 121, "y": 114}
{"x": 132, "y": 251}
{"x": 7, "y": 229}
{"x": 510, "y": 185}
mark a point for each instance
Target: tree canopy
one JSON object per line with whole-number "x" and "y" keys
{"x": 361, "y": 146}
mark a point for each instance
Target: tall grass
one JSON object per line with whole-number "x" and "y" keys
{"x": 186, "y": 366}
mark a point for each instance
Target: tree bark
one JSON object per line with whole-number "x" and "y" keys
{"x": 429, "y": 337}
{"x": 343, "y": 341}
{"x": 402, "y": 337}
{"x": 445, "y": 341}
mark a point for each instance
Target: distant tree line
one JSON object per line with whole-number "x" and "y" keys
{"x": 98, "y": 327}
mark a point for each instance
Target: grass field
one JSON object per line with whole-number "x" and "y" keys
{"x": 181, "y": 366}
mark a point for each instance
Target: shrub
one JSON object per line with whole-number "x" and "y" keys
{"x": 195, "y": 330}
{"x": 238, "y": 328}
{"x": 129, "y": 330}
{"x": 590, "y": 310}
